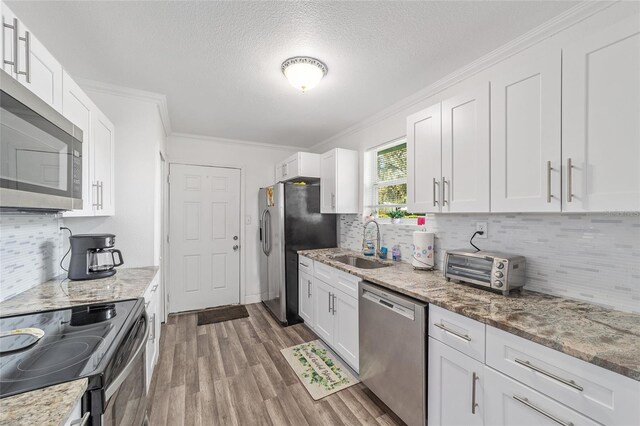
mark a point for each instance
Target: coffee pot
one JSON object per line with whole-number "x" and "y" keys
{"x": 93, "y": 256}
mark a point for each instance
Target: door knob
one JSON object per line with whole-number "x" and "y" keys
{"x": 235, "y": 238}
{"x": 236, "y": 247}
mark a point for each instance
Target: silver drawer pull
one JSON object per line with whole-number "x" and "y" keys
{"x": 304, "y": 264}
{"x": 570, "y": 383}
{"x": 82, "y": 421}
{"x": 526, "y": 402}
{"x": 154, "y": 288}
{"x": 455, "y": 333}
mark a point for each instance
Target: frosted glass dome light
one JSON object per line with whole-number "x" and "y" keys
{"x": 303, "y": 72}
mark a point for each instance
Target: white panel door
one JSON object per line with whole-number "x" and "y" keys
{"x": 102, "y": 155}
{"x": 601, "y": 119}
{"x": 424, "y": 160}
{"x": 328, "y": 182}
{"x": 78, "y": 108}
{"x": 345, "y": 335}
{"x": 512, "y": 403}
{"x": 525, "y": 132}
{"x": 306, "y": 293}
{"x": 324, "y": 317}
{"x": 466, "y": 152}
{"x": 455, "y": 387}
{"x": 204, "y": 231}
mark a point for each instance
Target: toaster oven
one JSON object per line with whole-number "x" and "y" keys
{"x": 497, "y": 271}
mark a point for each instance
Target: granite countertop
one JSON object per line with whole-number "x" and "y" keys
{"x": 49, "y": 406}
{"x": 595, "y": 334}
{"x": 53, "y": 405}
{"x": 127, "y": 283}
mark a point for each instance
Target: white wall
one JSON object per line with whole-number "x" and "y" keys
{"x": 257, "y": 163}
{"x": 139, "y": 137}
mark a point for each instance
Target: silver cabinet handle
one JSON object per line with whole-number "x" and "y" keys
{"x": 333, "y": 200}
{"x": 82, "y": 421}
{"x": 569, "y": 383}
{"x": 435, "y": 197}
{"x": 329, "y": 302}
{"x": 526, "y": 402}
{"x": 97, "y": 199}
{"x": 445, "y": 185}
{"x": 101, "y": 195}
{"x": 304, "y": 264}
{"x": 154, "y": 288}
{"x": 450, "y": 331}
{"x": 549, "y": 168}
{"x": 308, "y": 288}
{"x": 474, "y": 404}
{"x": 27, "y": 57}
{"x": 14, "y": 28}
{"x": 569, "y": 181}
{"x": 152, "y": 332}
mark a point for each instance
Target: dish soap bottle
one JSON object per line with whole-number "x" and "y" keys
{"x": 368, "y": 249}
{"x": 395, "y": 253}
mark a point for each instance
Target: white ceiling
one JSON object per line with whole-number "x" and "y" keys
{"x": 219, "y": 62}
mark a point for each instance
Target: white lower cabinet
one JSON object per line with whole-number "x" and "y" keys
{"x": 152, "y": 306}
{"x": 305, "y": 298}
{"x": 512, "y": 403}
{"x": 325, "y": 319}
{"x": 456, "y": 387}
{"x": 345, "y": 328}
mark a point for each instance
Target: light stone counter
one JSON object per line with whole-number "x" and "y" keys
{"x": 595, "y": 334}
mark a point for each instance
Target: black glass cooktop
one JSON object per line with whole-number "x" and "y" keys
{"x": 76, "y": 343}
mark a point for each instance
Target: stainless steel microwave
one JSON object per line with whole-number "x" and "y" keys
{"x": 40, "y": 153}
{"x": 497, "y": 271}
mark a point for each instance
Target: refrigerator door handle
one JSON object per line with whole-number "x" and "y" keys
{"x": 263, "y": 230}
{"x": 267, "y": 235}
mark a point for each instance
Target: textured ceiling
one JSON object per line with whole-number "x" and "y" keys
{"x": 219, "y": 62}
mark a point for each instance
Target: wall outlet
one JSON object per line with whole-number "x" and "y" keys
{"x": 484, "y": 227}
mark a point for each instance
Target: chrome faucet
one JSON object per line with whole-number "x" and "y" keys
{"x": 364, "y": 236}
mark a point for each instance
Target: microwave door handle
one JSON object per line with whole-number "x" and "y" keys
{"x": 119, "y": 380}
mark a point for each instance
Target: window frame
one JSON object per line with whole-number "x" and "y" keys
{"x": 375, "y": 184}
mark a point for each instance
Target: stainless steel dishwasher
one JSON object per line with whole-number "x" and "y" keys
{"x": 393, "y": 351}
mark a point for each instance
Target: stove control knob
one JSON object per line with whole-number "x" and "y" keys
{"x": 498, "y": 283}
{"x": 498, "y": 274}
{"x": 499, "y": 265}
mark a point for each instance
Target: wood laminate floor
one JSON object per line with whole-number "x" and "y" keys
{"x": 233, "y": 373}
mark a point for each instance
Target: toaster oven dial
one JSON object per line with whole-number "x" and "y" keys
{"x": 498, "y": 283}
{"x": 499, "y": 265}
{"x": 498, "y": 274}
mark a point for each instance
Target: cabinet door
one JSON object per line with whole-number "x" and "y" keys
{"x": 328, "y": 182}
{"x": 151, "y": 347}
{"x": 601, "y": 129}
{"x": 102, "y": 164}
{"x": 455, "y": 387}
{"x": 466, "y": 152}
{"x": 512, "y": 403}
{"x": 345, "y": 336}
{"x": 322, "y": 303}
{"x": 346, "y": 181}
{"x": 78, "y": 108}
{"x": 305, "y": 294}
{"x": 291, "y": 167}
{"x": 44, "y": 71}
{"x": 424, "y": 156}
{"x": 525, "y": 132}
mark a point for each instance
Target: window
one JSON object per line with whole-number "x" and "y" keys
{"x": 388, "y": 178}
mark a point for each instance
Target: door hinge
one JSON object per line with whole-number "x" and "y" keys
{"x": 167, "y": 239}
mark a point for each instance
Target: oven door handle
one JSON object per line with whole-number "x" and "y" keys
{"x": 115, "y": 385}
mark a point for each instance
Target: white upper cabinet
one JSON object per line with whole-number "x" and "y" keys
{"x": 27, "y": 60}
{"x": 424, "y": 157}
{"x": 525, "y": 132}
{"x": 339, "y": 181}
{"x": 465, "y": 152}
{"x": 299, "y": 165}
{"x": 97, "y": 151}
{"x": 600, "y": 119}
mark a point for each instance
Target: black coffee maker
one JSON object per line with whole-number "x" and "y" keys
{"x": 92, "y": 256}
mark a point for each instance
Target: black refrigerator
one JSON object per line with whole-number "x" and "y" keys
{"x": 290, "y": 220}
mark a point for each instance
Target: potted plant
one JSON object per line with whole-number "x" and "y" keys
{"x": 396, "y": 215}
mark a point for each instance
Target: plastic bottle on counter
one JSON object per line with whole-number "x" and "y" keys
{"x": 395, "y": 253}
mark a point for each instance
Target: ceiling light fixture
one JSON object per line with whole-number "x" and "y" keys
{"x": 303, "y": 72}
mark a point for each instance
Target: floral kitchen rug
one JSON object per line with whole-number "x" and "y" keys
{"x": 319, "y": 370}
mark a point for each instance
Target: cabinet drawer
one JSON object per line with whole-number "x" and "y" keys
{"x": 600, "y": 394}
{"x": 323, "y": 272}
{"x": 457, "y": 331}
{"x": 512, "y": 403}
{"x": 305, "y": 265}
{"x": 346, "y": 283}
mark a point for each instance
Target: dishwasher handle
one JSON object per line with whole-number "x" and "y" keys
{"x": 388, "y": 304}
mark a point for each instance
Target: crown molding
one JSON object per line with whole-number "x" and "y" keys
{"x": 548, "y": 29}
{"x": 237, "y": 142}
{"x": 158, "y": 99}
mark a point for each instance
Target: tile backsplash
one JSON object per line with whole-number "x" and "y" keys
{"x": 30, "y": 250}
{"x": 591, "y": 257}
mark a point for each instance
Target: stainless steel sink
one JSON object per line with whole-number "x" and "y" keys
{"x": 361, "y": 263}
